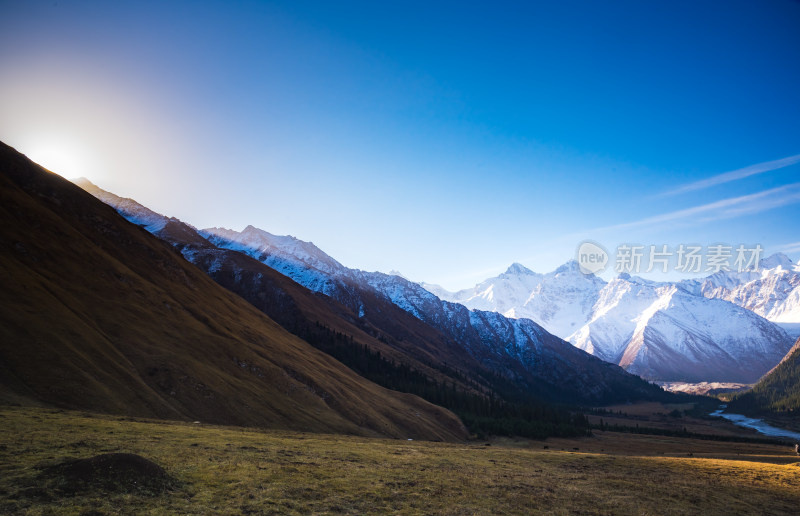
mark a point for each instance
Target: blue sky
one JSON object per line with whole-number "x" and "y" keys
{"x": 442, "y": 139}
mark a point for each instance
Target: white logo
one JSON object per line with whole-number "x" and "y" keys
{"x": 591, "y": 257}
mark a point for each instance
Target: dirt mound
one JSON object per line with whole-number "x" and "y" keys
{"x": 114, "y": 472}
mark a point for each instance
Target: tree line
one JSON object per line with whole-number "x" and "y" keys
{"x": 494, "y": 407}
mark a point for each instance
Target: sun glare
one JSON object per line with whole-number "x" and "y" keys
{"x": 65, "y": 160}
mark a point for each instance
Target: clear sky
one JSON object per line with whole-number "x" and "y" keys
{"x": 445, "y": 140}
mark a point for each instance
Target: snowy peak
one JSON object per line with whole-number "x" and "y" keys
{"x": 260, "y": 244}
{"x": 128, "y": 208}
{"x": 663, "y": 332}
{"x": 517, "y": 269}
{"x": 772, "y": 292}
{"x": 775, "y": 261}
{"x": 571, "y": 267}
{"x": 560, "y": 301}
{"x": 499, "y": 294}
{"x": 301, "y": 261}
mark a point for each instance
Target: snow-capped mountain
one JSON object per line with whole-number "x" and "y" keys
{"x": 662, "y": 331}
{"x": 274, "y": 248}
{"x": 134, "y": 212}
{"x": 501, "y": 294}
{"x": 773, "y": 291}
{"x": 560, "y": 301}
{"x": 302, "y": 261}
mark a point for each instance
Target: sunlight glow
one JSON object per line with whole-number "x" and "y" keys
{"x": 65, "y": 159}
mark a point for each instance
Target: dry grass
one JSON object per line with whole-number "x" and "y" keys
{"x": 228, "y": 470}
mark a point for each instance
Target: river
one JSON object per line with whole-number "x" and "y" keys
{"x": 756, "y": 424}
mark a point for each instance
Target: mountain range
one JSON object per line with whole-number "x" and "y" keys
{"x": 98, "y": 314}
{"x": 772, "y": 291}
{"x": 485, "y": 349}
{"x": 661, "y": 331}
{"x": 712, "y": 330}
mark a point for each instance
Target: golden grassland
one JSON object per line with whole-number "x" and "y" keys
{"x": 230, "y": 470}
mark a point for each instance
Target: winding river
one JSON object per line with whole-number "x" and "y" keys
{"x": 756, "y": 424}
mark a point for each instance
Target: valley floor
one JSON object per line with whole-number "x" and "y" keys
{"x": 227, "y": 470}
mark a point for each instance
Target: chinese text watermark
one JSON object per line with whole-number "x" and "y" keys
{"x": 592, "y": 258}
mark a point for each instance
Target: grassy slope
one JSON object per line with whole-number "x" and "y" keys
{"x": 232, "y": 470}
{"x": 95, "y": 313}
{"x": 398, "y": 335}
{"x": 777, "y": 392}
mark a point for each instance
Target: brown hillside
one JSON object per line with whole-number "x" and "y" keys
{"x": 95, "y": 313}
{"x": 396, "y": 334}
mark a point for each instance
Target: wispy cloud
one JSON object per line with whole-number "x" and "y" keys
{"x": 790, "y": 248}
{"x": 734, "y": 175}
{"x": 723, "y": 209}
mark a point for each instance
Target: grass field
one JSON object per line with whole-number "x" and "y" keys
{"x": 228, "y": 470}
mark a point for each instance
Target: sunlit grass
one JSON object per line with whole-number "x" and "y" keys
{"x": 231, "y": 471}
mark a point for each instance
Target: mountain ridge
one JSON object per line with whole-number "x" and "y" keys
{"x": 100, "y": 315}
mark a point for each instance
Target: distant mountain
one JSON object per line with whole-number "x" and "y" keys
{"x": 772, "y": 292}
{"x": 778, "y": 392}
{"x": 501, "y": 294}
{"x": 561, "y": 301}
{"x": 661, "y": 331}
{"x": 97, "y": 314}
